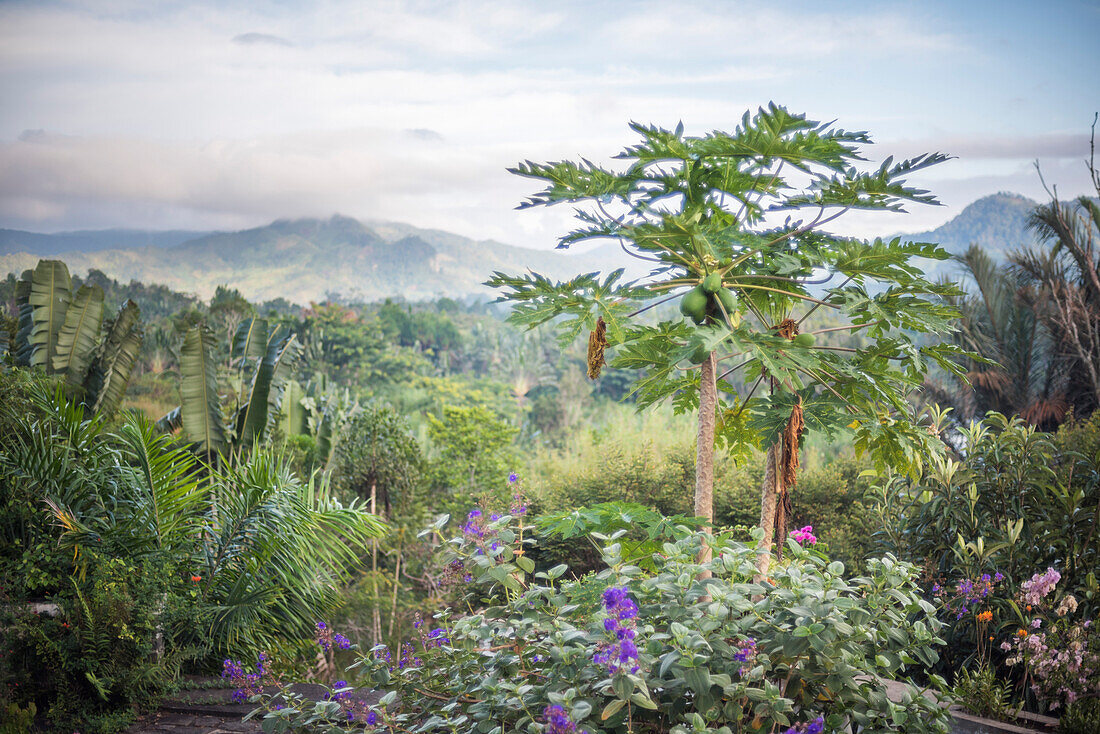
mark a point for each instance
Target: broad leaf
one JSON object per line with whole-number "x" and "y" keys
{"x": 50, "y": 293}
{"x": 201, "y": 407}
{"x": 79, "y": 338}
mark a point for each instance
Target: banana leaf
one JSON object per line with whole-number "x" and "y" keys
{"x": 267, "y": 388}
{"x": 50, "y": 293}
{"x": 79, "y": 338}
{"x": 249, "y": 343}
{"x": 23, "y": 348}
{"x": 201, "y": 406}
{"x": 110, "y": 371}
{"x": 292, "y": 417}
{"x": 170, "y": 421}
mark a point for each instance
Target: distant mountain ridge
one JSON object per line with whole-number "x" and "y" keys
{"x": 305, "y": 259}
{"x": 49, "y": 245}
{"x": 997, "y": 223}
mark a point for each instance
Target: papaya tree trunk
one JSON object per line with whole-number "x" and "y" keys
{"x": 769, "y": 495}
{"x": 704, "y": 452}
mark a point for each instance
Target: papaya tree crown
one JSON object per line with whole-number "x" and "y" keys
{"x": 750, "y": 207}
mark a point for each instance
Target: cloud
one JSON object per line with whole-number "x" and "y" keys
{"x": 1005, "y": 147}
{"x": 208, "y": 114}
{"x": 261, "y": 39}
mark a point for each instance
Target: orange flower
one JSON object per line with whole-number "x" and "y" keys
{"x": 196, "y": 579}
{"x": 985, "y": 616}
{"x": 1021, "y": 633}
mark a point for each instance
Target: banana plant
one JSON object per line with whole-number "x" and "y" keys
{"x": 228, "y": 408}
{"x": 62, "y": 332}
{"x": 318, "y": 409}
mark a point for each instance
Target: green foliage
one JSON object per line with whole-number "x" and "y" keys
{"x": 269, "y": 550}
{"x": 699, "y": 206}
{"x": 818, "y": 643}
{"x": 645, "y": 530}
{"x": 17, "y": 720}
{"x": 377, "y": 458}
{"x": 1082, "y": 717}
{"x": 471, "y": 450}
{"x": 649, "y": 461}
{"x": 260, "y": 367}
{"x": 95, "y": 663}
{"x": 983, "y": 693}
{"x": 1019, "y": 501}
{"x": 61, "y": 331}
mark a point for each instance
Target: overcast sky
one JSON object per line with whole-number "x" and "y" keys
{"x": 227, "y": 115}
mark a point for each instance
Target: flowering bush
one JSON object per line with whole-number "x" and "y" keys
{"x": 669, "y": 649}
{"x": 1060, "y": 654}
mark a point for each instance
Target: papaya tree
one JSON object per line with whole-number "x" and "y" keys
{"x": 62, "y": 332}
{"x": 226, "y": 408}
{"x": 732, "y": 226}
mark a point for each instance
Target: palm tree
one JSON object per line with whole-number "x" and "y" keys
{"x": 1066, "y": 281}
{"x": 272, "y": 551}
{"x": 1020, "y": 371}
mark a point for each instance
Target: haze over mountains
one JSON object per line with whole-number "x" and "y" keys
{"x": 305, "y": 259}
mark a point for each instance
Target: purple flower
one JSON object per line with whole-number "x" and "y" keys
{"x": 998, "y": 576}
{"x": 621, "y": 652}
{"x": 557, "y": 720}
{"x": 341, "y": 642}
{"x": 372, "y": 718}
{"x": 513, "y": 478}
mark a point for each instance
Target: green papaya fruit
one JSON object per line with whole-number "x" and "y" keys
{"x": 729, "y": 302}
{"x": 694, "y": 304}
{"x": 699, "y": 355}
{"x": 804, "y": 340}
{"x": 712, "y": 283}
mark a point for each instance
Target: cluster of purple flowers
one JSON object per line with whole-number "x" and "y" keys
{"x": 621, "y": 652}
{"x": 408, "y": 657}
{"x": 557, "y": 721}
{"x": 804, "y": 536}
{"x": 519, "y": 502}
{"x": 473, "y": 529}
{"x": 455, "y": 573}
{"x": 436, "y": 638}
{"x": 967, "y": 593}
{"x": 248, "y": 684}
{"x": 355, "y": 709}
{"x": 338, "y": 694}
{"x": 327, "y": 640}
{"x": 817, "y": 726}
{"x": 746, "y": 655}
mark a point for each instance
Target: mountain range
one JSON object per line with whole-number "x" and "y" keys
{"x": 305, "y": 259}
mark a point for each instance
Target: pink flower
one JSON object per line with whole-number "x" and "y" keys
{"x": 805, "y": 536}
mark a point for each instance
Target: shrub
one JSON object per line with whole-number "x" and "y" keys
{"x": 1019, "y": 500}
{"x": 93, "y": 664}
{"x": 687, "y": 647}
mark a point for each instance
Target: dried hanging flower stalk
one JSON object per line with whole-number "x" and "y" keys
{"x": 597, "y": 343}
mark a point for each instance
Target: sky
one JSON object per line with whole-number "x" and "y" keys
{"x": 227, "y": 115}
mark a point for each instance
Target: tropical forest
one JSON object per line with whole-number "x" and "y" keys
{"x": 730, "y": 455}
